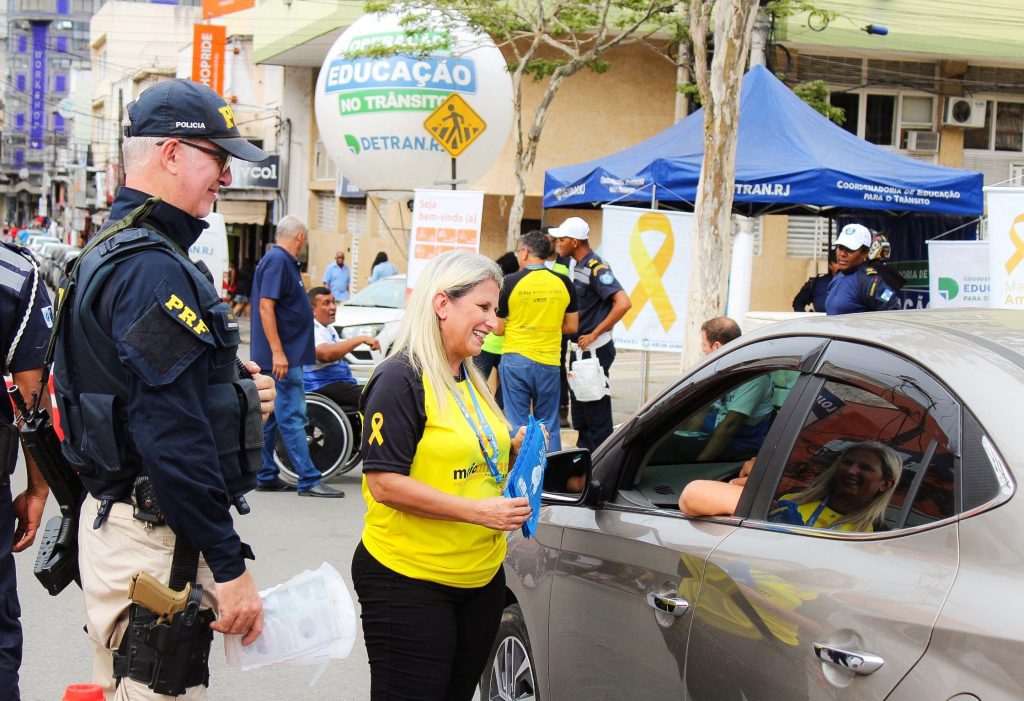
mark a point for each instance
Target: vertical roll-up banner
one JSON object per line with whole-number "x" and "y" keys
{"x": 1005, "y": 207}
{"x": 649, "y": 253}
{"x": 37, "y": 96}
{"x": 958, "y": 274}
{"x": 442, "y": 221}
{"x": 208, "y": 42}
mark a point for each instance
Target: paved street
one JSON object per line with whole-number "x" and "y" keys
{"x": 288, "y": 534}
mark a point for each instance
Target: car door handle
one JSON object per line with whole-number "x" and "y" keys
{"x": 862, "y": 663}
{"x": 673, "y": 605}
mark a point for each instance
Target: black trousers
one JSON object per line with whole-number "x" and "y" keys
{"x": 10, "y": 608}
{"x": 424, "y": 641}
{"x": 593, "y": 420}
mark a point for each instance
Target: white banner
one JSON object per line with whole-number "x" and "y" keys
{"x": 649, "y": 252}
{"x": 958, "y": 273}
{"x": 442, "y": 220}
{"x": 1005, "y": 207}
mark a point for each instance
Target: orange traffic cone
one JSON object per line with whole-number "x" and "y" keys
{"x": 83, "y": 692}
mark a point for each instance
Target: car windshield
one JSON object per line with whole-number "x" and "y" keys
{"x": 389, "y": 292}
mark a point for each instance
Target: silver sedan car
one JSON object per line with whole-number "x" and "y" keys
{"x": 838, "y": 575}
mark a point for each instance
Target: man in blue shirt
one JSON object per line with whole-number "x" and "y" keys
{"x": 282, "y": 339}
{"x": 338, "y": 277}
{"x": 857, "y": 287}
{"x": 331, "y": 375}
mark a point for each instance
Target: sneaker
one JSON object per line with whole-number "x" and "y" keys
{"x": 275, "y": 485}
{"x": 322, "y": 490}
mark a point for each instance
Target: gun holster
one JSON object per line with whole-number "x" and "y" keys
{"x": 169, "y": 657}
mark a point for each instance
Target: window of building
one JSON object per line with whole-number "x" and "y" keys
{"x": 1003, "y": 129}
{"x": 326, "y": 211}
{"x": 323, "y": 166}
{"x": 850, "y": 103}
{"x": 880, "y": 119}
{"x": 355, "y": 218}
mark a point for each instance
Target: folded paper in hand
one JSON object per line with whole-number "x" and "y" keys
{"x": 309, "y": 619}
{"x": 526, "y": 478}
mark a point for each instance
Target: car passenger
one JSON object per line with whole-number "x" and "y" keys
{"x": 851, "y": 495}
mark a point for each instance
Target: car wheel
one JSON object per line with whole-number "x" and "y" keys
{"x": 510, "y": 674}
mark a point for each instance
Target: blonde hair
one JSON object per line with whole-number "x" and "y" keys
{"x": 866, "y": 517}
{"x": 454, "y": 273}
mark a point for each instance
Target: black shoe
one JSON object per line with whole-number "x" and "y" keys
{"x": 322, "y": 490}
{"x": 275, "y": 485}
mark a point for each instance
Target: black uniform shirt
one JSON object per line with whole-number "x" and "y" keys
{"x": 16, "y": 284}
{"x": 167, "y": 360}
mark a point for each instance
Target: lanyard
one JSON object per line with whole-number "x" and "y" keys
{"x": 490, "y": 451}
{"x": 817, "y": 512}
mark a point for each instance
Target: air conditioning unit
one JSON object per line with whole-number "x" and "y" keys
{"x": 923, "y": 141}
{"x": 964, "y": 112}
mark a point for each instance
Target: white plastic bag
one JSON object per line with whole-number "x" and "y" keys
{"x": 309, "y": 619}
{"x": 586, "y": 378}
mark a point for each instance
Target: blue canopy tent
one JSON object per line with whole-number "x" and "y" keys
{"x": 788, "y": 157}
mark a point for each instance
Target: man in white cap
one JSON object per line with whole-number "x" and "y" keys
{"x": 857, "y": 287}
{"x": 601, "y": 302}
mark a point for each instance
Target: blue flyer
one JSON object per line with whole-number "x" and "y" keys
{"x": 526, "y": 479}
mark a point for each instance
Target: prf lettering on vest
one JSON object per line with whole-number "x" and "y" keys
{"x": 228, "y": 115}
{"x": 174, "y": 303}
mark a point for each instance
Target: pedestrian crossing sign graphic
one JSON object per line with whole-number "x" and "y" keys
{"x": 454, "y": 125}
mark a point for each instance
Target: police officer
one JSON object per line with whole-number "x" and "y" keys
{"x": 857, "y": 286}
{"x": 150, "y": 398}
{"x": 25, "y": 321}
{"x": 601, "y": 302}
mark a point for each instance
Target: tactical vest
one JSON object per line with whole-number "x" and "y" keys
{"x": 92, "y": 385}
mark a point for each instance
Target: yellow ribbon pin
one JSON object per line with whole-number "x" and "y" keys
{"x": 376, "y": 421}
{"x": 650, "y": 270}
{"x": 1018, "y": 244}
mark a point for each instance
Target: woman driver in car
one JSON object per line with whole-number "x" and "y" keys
{"x": 851, "y": 495}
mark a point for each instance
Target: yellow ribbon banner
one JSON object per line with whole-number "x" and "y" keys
{"x": 1018, "y": 244}
{"x": 649, "y": 288}
{"x": 376, "y": 422}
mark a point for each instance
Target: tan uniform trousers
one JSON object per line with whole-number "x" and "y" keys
{"x": 108, "y": 557}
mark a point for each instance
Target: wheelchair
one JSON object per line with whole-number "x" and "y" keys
{"x": 333, "y": 438}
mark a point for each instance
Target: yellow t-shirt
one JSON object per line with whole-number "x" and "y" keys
{"x": 534, "y": 301}
{"x": 404, "y": 432}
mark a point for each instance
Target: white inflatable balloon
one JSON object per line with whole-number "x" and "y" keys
{"x": 370, "y": 112}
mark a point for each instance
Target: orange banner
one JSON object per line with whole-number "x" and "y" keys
{"x": 216, "y": 8}
{"x": 208, "y": 42}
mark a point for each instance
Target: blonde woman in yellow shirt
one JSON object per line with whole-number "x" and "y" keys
{"x": 436, "y": 451}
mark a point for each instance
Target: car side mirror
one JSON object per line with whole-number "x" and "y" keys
{"x": 566, "y": 477}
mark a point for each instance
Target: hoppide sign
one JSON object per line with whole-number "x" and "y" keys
{"x": 264, "y": 175}
{"x": 370, "y": 112}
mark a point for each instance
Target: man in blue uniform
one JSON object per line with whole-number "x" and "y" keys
{"x": 26, "y": 318}
{"x": 601, "y": 303}
{"x": 162, "y": 430}
{"x": 857, "y": 286}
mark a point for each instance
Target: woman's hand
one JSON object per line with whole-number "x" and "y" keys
{"x": 517, "y": 443}
{"x": 501, "y": 513}
{"x": 744, "y": 472}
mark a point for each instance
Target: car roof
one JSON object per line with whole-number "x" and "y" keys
{"x": 977, "y": 353}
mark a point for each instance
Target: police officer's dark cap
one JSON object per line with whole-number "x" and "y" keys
{"x": 183, "y": 108}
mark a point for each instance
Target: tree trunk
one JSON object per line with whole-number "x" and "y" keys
{"x": 734, "y": 22}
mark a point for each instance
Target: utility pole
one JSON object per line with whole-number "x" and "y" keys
{"x": 120, "y": 137}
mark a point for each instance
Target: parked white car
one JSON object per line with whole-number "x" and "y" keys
{"x": 374, "y": 311}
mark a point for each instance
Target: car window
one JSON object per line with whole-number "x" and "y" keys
{"x": 715, "y": 439}
{"x": 866, "y": 458}
{"x": 389, "y": 292}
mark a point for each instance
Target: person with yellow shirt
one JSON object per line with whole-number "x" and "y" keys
{"x": 494, "y": 345}
{"x": 535, "y": 308}
{"x": 851, "y": 495}
{"x": 436, "y": 451}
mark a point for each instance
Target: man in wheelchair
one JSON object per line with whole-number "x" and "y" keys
{"x": 331, "y": 375}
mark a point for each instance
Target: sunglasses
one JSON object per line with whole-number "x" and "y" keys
{"x": 222, "y": 157}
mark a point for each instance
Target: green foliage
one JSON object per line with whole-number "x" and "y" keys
{"x": 691, "y": 91}
{"x": 815, "y": 94}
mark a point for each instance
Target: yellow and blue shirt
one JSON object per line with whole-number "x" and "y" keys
{"x": 404, "y": 432}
